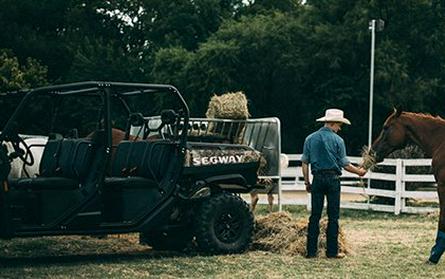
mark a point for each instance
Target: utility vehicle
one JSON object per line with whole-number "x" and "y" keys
{"x": 121, "y": 158}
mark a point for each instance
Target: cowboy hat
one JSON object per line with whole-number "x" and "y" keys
{"x": 334, "y": 115}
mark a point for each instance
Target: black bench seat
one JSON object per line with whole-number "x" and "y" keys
{"x": 140, "y": 164}
{"x": 65, "y": 164}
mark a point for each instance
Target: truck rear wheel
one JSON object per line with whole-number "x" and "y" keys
{"x": 224, "y": 225}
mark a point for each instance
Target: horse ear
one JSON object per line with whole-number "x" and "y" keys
{"x": 397, "y": 111}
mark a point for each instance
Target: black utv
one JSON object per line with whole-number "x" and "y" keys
{"x": 121, "y": 158}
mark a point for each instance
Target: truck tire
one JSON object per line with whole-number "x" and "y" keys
{"x": 223, "y": 225}
{"x": 166, "y": 241}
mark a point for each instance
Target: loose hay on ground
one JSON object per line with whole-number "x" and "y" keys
{"x": 279, "y": 232}
{"x": 71, "y": 245}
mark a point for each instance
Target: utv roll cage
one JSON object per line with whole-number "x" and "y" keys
{"x": 105, "y": 90}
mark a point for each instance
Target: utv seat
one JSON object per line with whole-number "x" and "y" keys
{"x": 65, "y": 165}
{"x": 140, "y": 164}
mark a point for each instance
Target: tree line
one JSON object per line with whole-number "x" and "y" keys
{"x": 292, "y": 59}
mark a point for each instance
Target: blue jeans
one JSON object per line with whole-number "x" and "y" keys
{"x": 324, "y": 185}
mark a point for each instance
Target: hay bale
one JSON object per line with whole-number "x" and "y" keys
{"x": 279, "y": 232}
{"x": 228, "y": 106}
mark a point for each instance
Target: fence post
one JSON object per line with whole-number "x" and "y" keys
{"x": 403, "y": 188}
{"x": 280, "y": 194}
{"x": 398, "y": 190}
{"x": 309, "y": 203}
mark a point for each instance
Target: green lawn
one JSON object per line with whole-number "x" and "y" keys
{"x": 383, "y": 246}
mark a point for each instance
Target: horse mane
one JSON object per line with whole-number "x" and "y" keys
{"x": 425, "y": 116}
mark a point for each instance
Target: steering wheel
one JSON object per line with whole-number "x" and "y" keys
{"x": 24, "y": 155}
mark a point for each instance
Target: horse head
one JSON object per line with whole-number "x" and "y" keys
{"x": 392, "y": 137}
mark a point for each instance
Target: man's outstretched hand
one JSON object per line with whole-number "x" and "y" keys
{"x": 361, "y": 171}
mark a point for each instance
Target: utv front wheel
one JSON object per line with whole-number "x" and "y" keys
{"x": 223, "y": 225}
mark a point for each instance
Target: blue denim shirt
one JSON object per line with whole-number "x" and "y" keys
{"x": 325, "y": 150}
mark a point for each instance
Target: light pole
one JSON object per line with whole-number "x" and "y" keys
{"x": 374, "y": 25}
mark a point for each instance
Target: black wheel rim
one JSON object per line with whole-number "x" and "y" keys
{"x": 228, "y": 227}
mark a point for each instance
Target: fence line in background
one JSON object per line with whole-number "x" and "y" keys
{"x": 292, "y": 182}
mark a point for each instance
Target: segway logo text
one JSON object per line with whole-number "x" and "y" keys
{"x": 214, "y": 160}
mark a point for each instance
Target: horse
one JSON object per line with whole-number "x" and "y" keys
{"x": 428, "y": 132}
{"x": 117, "y": 135}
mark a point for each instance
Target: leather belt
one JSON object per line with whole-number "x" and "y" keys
{"x": 328, "y": 172}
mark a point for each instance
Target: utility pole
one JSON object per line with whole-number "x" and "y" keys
{"x": 374, "y": 25}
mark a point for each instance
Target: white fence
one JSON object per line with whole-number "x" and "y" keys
{"x": 355, "y": 187}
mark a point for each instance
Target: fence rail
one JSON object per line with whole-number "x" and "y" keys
{"x": 370, "y": 186}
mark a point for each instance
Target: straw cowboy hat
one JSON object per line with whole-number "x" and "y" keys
{"x": 334, "y": 115}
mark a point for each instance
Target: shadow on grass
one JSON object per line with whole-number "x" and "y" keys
{"x": 301, "y": 212}
{"x": 33, "y": 261}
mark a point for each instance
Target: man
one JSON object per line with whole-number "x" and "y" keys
{"x": 284, "y": 164}
{"x": 254, "y": 201}
{"x": 325, "y": 151}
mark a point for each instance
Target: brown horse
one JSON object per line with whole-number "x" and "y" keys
{"x": 428, "y": 132}
{"x": 117, "y": 135}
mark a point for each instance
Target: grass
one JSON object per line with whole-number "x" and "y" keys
{"x": 383, "y": 246}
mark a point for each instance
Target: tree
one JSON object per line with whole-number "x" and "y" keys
{"x": 297, "y": 63}
{"x": 14, "y": 76}
{"x": 97, "y": 59}
{"x": 259, "y": 55}
{"x": 50, "y": 31}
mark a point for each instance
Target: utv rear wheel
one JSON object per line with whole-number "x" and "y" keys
{"x": 224, "y": 225}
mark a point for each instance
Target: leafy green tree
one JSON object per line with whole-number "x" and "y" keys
{"x": 410, "y": 58}
{"x": 297, "y": 63}
{"x": 293, "y": 60}
{"x": 255, "y": 7}
{"x": 14, "y": 76}
{"x": 184, "y": 23}
{"x": 258, "y": 55}
{"x": 96, "y": 59}
{"x": 50, "y": 30}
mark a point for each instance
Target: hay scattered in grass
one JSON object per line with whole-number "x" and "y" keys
{"x": 279, "y": 232}
{"x": 369, "y": 160}
{"x": 72, "y": 245}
